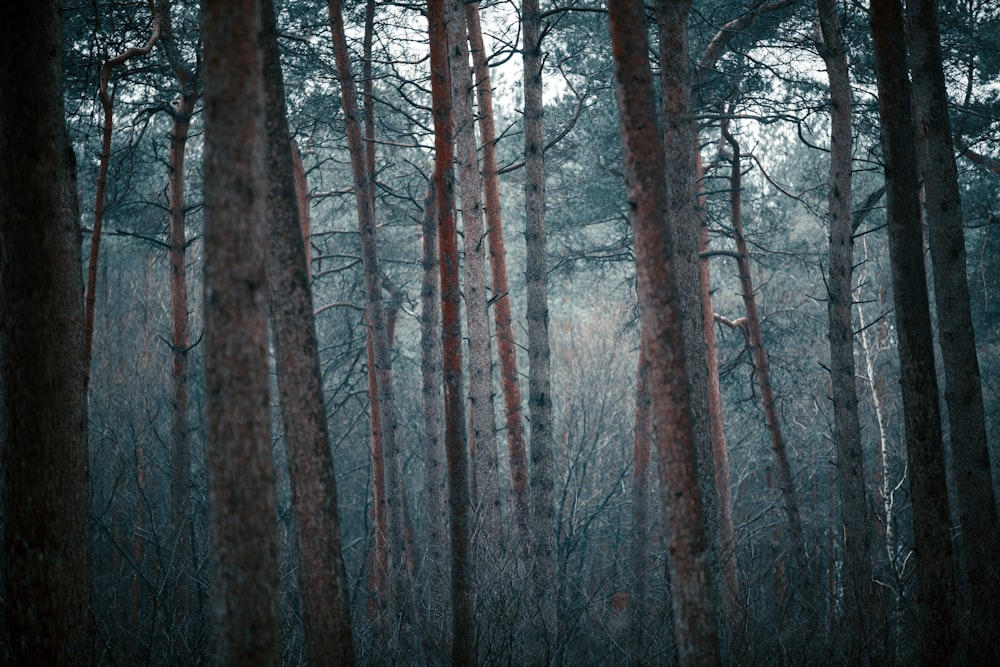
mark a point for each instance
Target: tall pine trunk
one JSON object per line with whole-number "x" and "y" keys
{"x": 487, "y": 527}
{"x": 322, "y": 580}
{"x": 240, "y": 468}
{"x": 695, "y": 628}
{"x": 43, "y": 385}
{"x": 506, "y": 342}
{"x": 856, "y": 625}
{"x": 921, "y": 415}
{"x": 963, "y": 388}
{"x": 455, "y": 434}
{"x": 542, "y": 471}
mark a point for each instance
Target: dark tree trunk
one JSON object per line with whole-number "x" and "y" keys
{"x": 43, "y": 419}
{"x": 240, "y": 468}
{"x": 695, "y": 627}
{"x": 322, "y": 581}
{"x": 182, "y": 561}
{"x": 963, "y": 388}
{"x": 922, "y": 419}
{"x": 857, "y": 575}
{"x": 463, "y": 650}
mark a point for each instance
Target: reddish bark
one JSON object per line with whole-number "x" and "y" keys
{"x": 506, "y": 342}
{"x": 455, "y": 435}
{"x": 695, "y": 631}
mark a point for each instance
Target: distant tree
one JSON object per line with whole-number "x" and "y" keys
{"x": 107, "y": 104}
{"x": 963, "y": 386}
{"x": 375, "y": 312}
{"x": 322, "y": 580}
{"x": 43, "y": 374}
{"x": 857, "y": 624}
{"x": 181, "y": 110}
{"x": 922, "y": 418}
{"x": 237, "y": 397}
{"x": 695, "y": 627}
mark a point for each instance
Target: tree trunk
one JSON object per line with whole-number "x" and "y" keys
{"x": 680, "y": 138}
{"x": 43, "y": 418}
{"x": 240, "y": 468}
{"x": 642, "y": 445}
{"x": 755, "y": 341}
{"x": 728, "y": 549}
{"x": 322, "y": 581}
{"x": 688, "y": 554}
{"x": 857, "y": 575}
{"x": 180, "y": 441}
{"x": 182, "y": 561}
{"x": 922, "y": 420}
{"x": 487, "y": 527}
{"x": 541, "y": 502}
{"x": 963, "y": 388}
{"x": 107, "y": 105}
{"x": 436, "y": 480}
{"x": 463, "y": 650}
{"x": 506, "y": 341}
{"x": 376, "y": 315}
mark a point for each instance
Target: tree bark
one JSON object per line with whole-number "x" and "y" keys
{"x": 322, "y": 580}
{"x": 542, "y": 471}
{"x": 43, "y": 374}
{"x": 506, "y": 341}
{"x": 435, "y": 470}
{"x": 240, "y": 469}
{"x": 963, "y": 388}
{"x": 922, "y": 420}
{"x": 856, "y": 626}
{"x": 463, "y": 650}
{"x": 486, "y": 530}
{"x": 642, "y": 445}
{"x": 680, "y": 138}
{"x": 695, "y": 627}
